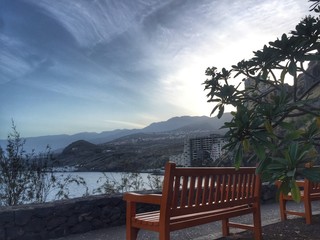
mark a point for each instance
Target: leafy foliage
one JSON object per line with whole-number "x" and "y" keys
{"x": 277, "y": 119}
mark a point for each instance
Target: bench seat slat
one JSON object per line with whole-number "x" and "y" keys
{"x": 198, "y": 219}
{"x": 180, "y": 222}
{"x": 215, "y": 206}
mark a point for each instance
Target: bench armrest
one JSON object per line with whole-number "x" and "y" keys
{"x": 143, "y": 198}
{"x": 300, "y": 183}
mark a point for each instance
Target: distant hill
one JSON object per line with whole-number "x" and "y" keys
{"x": 187, "y": 122}
{"x": 184, "y": 124}
{"x": 80, "y": 145}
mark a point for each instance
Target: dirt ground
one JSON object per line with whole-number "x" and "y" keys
{"x": 292, "y": 229}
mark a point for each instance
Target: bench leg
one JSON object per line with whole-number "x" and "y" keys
{"x": 225, "y": 227}
{"x": 164, "y": 235}
{"x": 257, "y": 224}
{"x": 282, "y": 205}
{"x": 308, "y": 211}
{"x": 132, "y": 233}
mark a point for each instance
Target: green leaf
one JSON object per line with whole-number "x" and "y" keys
{"x": 284, "y": 37}
{"x": 283, "y": 74}
{"x": 284, "y": 188}
{"x": 295, "y": 191}
{"x": 275, "y": 166}
{"x": 259, "y": 150}
{"x": 268, "y": 126}
{"x": 313, "y": 57}
{"x": 291, "y": 173}
{"x": 221, "y": 111}
{"x": 215, "y": 108}
{"x": 263, "y": 166}
{"x": 287, "y": 126}
{"x": 280, "y": 160}
{"x": 238, "y": 156}
{"x": 246, "y": 145}
{"x": 293, "y": 151}
{"x": 294, "y": 135}
{"x": 292, "y": 69}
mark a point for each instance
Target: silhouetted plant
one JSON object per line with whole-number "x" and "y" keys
{"x": 154, "y": 182}
{"x": 27, "y": 177}
{"x": 276, "y": 124}
{"x": 128, "y": 182}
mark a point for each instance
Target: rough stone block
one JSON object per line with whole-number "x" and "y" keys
{"x": 72, "y": 220}
{"x": 23, "y": 217}
{"x": 81, "y": 227}
{"x": 31, "y": 236}
{"x": 96, "y": 224}
{"x": 2, "y": 233}
{"x": 115, "y": 201}
{"x": 36, "y": 225}
{"x": 7, "y": 218}
{"x": 15, "y": 232}
{"x": 116, "y": 213}
{"x": 64, "y": 209}
{"x": 56, "y": 222}
{"x": 44, "y": 211}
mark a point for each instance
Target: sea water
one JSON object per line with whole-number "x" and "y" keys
{"x": 94, "y": 180}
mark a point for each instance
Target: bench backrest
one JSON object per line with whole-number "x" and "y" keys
{"x": 312, "y": 187}
{"x": 191, "y": 190}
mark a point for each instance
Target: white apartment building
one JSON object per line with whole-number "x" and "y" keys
{"x": 198, "y": 151}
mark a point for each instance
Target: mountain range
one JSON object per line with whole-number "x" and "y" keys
{"x": 184, "y": 124}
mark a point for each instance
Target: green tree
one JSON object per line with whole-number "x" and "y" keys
{"x": 277, "y": 119}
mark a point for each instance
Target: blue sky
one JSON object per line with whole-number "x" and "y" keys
{"x": 69, "y": 66}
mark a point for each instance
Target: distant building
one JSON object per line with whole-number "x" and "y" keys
{"x": 205, "y": 150}
{"x": 200, "y": 151}
{"x": 216, "y": 149}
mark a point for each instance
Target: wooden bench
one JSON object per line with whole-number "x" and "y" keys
{"x": 310, "y": 191}
{"x": 195, "y": 196}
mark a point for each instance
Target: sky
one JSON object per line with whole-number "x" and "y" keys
{"x": 70, "y": 66}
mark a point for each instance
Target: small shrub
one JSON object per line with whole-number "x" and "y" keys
{"x": 128, "y": 182}
{"x": 27, "y": 177}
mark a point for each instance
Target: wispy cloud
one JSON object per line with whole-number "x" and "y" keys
{"x": 93, "y": 22}
{"x": 13, "y": 63}
{"x": 124, "y": 61}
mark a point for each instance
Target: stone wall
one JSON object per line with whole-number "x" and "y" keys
{"x": 61, "y": 218}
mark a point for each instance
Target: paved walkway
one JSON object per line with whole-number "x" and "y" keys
{"x": 269, "y": 215}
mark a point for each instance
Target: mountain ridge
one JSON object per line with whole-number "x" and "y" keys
{"x": 183, "y": 124}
